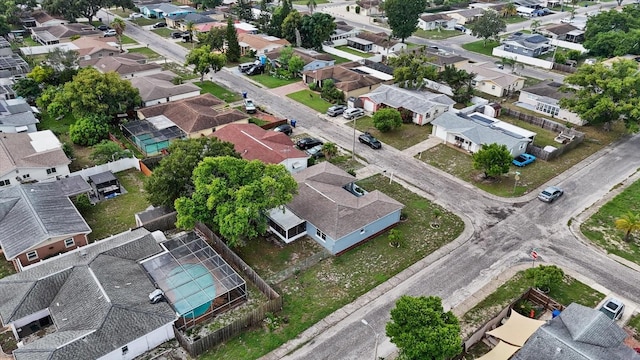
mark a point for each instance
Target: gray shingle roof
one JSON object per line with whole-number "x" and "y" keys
{"x": 32, "y": 214}
{"x": 98, "y": 301}
{"x": 17, "y": 151}
{"x": 579, "y": 333}
{"x": 159, "y": 86}
{"x": 420, "y": 102}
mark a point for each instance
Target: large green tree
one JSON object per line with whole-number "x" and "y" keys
{"x": 172, "y": 178}
{"x": 387, "y": 119}
{"x": 460, "y": 82}
{"x": 603, "y": 94}
{"x": 233, "y": 195}
{"x": 614, "y": 33}
{"x": 214, "y": 38}
{"x": 72, "y": 9}
{"x": 277, "y": 18}
{"x": 291, "y": 23}
{"x": 493, "y": 159}
{"x": 411, "y": 70}
{"x": 89, "y": 130}
{"x": 106, "y": 151}
{"x": 316, "y": 29}
{"x": 403, "y": 16}
{"x": 233, "y": 47}
{"x": 422, "y": 330}
{"x": 202, "y": 60}
{"x": 28, "y": 89}
{"x": 488, "y": 26}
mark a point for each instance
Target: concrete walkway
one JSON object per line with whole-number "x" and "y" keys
{"x": 431, "y": 141}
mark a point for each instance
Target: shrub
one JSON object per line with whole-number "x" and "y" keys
{"x": 387, "y": 119}
{"x": 348, "y": 8}
{"x": 313, "y": 87}
{"x": 545, "y": 277}
{"x": 68, "y": 150}
{"x": 82, "y": 203}
{"x": 89, "y": 131}
{"x": 357, "y": 9}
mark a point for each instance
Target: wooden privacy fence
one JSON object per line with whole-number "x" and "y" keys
{"x": 199, "y": 345}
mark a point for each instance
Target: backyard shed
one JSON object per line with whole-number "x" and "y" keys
{"x": 105, "y": 185}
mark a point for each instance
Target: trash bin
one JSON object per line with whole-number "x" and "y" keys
{"x": 244, "y": 94}
{"x": 293, "y": 123}
{"x": 100, "y": 19}
{"x": 555, "y": 313}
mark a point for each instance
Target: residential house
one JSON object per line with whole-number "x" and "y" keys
{"x": 16, "y": 116}
{"x": 38, "y": 221}
{"x": 180, "y": 21}
{"x": 241, "y": 27}
{"x": 557, "y": 31}
{"x": 524, "y": 11}
{"x": 492, "y": 81}
{"x": 436, "y": 21}
{"x": 95, "y": 48}
{"x": 90, "y": 303}
{"x": 13, "y": 66}
{"x": 352, "y": 78}
{"x": 33, "y": 156}
{"x": 376, "y": 43}
{"x": 331, "y": 209}
{"x": 196, "y": 116}
{"x": 259, "y": 44}
{"x": 165, "y": 10}
{"x": 271, "y": 147}
{"x": 442, "y": 59}
{"x": 473, "y": 131}
{"x": 126, "y": 65}
{"x": 62, "y": 33}
{"x": 529, "y": 3}
{"x": 344, "y": 31}
{"x": 369, "y": 7}
{"x": 423, "y": 106}
{"x": 313, "y": 60}
{"x": 6, "y": 89}
{"x": 159, "y": 88}
{"x": 544, "y": 98}
{"x": 527, "y": 44}
{"x": 5, "y": 47}
{"x": 42, "y": 19}
{"x": 463, "y": 17}
{"x": 152, "y": 136}
{"x": 578, "y": 333}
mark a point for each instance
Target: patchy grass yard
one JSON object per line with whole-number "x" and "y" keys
{"x": 514, "y": 19}
{"x": 571, "y": 291}
{"x": 353, "y": 51}
{"x": 601, "y": 230}
{"x": 144, "y": 21}
{"x": 478, "y": 46}
{"x": 150, "y": 54}
{"x": 164, "y": 32}
{"x": 218, "y": 91}
{"x": 116, "y": 215}
{"x": 242, "y": 60}
{"x": 634, "y": 323}
{"x": 339, "y": 59}
{"x": 58, "y": 126}
{"x": 272, "y": 81}
{"x": 127, "y": 40}
{"x": 437, "y": 35}
{"x": 404, "y": 137}
{"x": 180, "y": 70}
{"x": 6, "y": 268}
{"x": 335, "y": 282}
{"x": 311, "y": 99}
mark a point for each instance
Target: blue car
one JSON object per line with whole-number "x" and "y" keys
{"x": 523, "y": 160}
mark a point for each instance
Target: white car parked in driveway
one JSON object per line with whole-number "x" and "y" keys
{"x": 135, "y": 16}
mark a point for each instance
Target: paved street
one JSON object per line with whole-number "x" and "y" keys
{"x": 500, "y": 232}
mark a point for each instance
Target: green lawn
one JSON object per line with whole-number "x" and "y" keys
{"x": 339, "y": 59}
{"x": 437, "y": 35}
{"x": 164, "y": 32}
{"x": 242, "y": 60}
{"x": 634, "y": 323}
{"x": 601, "y": 230}
{"x": 272, "y": 81}
{"x": 58, "y": 126}
{"x": 404, "y": 137}
{"x": 304, "y": 2}
{"x": 150, "y": 54}
{"x": 311, "y": 99}
{"x": 116, "y": 215}
{"x": 6, "y": 268}
{"x": 353, "y": 51}
{"x": 144, "y": 21}
{"x": 478, "y": 46}
{"x": 218, "y": 91}
{"x": 322, "y": 289}
{"x": 178, "y": 69}
{"x": 514, "y": 19}
{"x": 127, "y": 40}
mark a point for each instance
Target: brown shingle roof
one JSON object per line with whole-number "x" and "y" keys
{"x": 89, "y": 46}
{"x": 122, "y": 64}
{"x": 434, "y": 17}
{"x": 306, "y": 56}
{"x": 68, "y": 30}
{"x": 160, "y": 85}
{"x": 260, "y": 42}
{"x": 560, "y": 29}
{"x": 380, "y": 39}
{"x": 17, "y": 151}
{"x": 344, "y": 77}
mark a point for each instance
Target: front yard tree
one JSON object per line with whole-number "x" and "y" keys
{"x": 403, "y": 16}
{"x": 119, "y": 25}
{"x": 629, "y": 223}
{"x": 232, "y": 196}
{"x": 202, "y": 60}
{"x": 209, "y": 4}
{"x": 545, "y": 277}
{"x": 493, "y": 159}
{"x": 488, "y": 26}
{"x": 316, "y": 29}
{"x": 613, "y": 33}
{"x": 28, "y": 89}
{"x": 387, "y": 119}
{"x": 172, "y": 178}
{"x": 72, "y": 9}
{"x": 89, "y": 130}
{"x": 233, "y": 47}
{"x": 422, "y": 330}
{"x": 329, "y": 150}
{"x": 604, "y": 94}
{"x": 218, "y": 61}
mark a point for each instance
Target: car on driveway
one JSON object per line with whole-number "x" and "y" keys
{"x": 352, "y": 113}
{"x": 135, "y": 16}
{"x": 613, "y": 308}
{"x": 370, "y": 140}
{"x": 550, "y": 194}
{"x": 109, "y": 33}
{"x": 159, "y": 25}
{"x": 249, "y": 106}
{"x": 336, "y": 110}
{"x": 308, "y": 142}
{"x": 284, "y": 128}
{"x": 255, "y": 70}
{"x": 103, "y": 27}
{"x": 315, "y": 152}
{"x": 523, "y": 160}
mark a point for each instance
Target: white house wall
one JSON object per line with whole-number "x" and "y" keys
{"x": 142, "y": 344}
{"x": 172, "y": 98}
{"x": 501, "y": 53}
{"x": 489, "y": 87}
{"x": 39, "y": 174}
{"x": 294, "y": 165}
{"x": 563, "y": 114}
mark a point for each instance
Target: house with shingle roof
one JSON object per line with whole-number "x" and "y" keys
{"x": 271, "y": 147}
{"x": 492, "y": 81}
{"x": 436, "y": 21}
{"x": 260, "y": 44}
{"x": 527, "y": 44}
{"x": 165, "y": 10}
{"x": 95, "y": 48}
{"x": 43, "y": 19}
{"x": 352, "y": 78}
{"x": 180, "y": 21}
{"x": 473, "y": 131}
{"x": 56, "y": 34}
{"x": 369, "y": 7}
{"x": 38, "y": 221}
{"x": 16, "y": 116}
{"x": 544, "y": 98}
{"x": 313, "y": 60}
{"x": 158, "y": 88}
{"x": 90, "y": 303}
{"x": 423, "y": 105}
{"x": 578, "y": 333}
{"x": 126, "y": 65}
{"x": 466, "y": 16}
{"x": 330, "y": 208}
{"x": 197, "y": 116}
{"x": 34, "y": 156}
{"x": 375, "y": 42}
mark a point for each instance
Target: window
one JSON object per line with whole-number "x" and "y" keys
{"x": 5, "y": 182}
{"x": 69, "y": 243}
{"x": 51, "y": 171}
{"x": 321, "y": 235}
{"x": 32, "y": 255}
{"x": 493, "y": 87}
{"x": 125, "y": 349}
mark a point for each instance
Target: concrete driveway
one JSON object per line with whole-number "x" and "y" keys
{"x": 288, "y": 89}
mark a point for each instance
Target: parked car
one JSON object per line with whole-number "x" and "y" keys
{"x": 103, "y": 27}
{"x": 109, "y": 33}
{"x": 352, "y": 113}
{"x": 336, "y": 110}
{"x": 135, "y": 16}
{"x": 550, "y": 194}
{"x": 523, "y": 160}
{"x": 284, "y": 128}
{"x": 249, "y": 106}
{"x": 255, "y": 70}
{"x": 246, "y": 66}
{"x": 160, "y": 24}
{"x": 460, "y": 28}
{"x": 315, "y": 152}
{"x": 613, "y": 308}
{"x": 177, "y": 34}
{"x": 307, "y": 143}
{"x": 370, "y": 140}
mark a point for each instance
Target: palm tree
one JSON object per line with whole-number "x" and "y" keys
{"x": 119, "y": 25}
{"x": 191, "y": 27}
{"x": 311, "y": 4}
{"x": 535, "y": 24}
{"x": 329, "y": 150}
{"x": 509, "y": 9}
{"x": 628, "y": 223}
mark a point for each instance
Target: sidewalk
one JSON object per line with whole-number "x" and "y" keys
{"x": 418, "y": 148}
